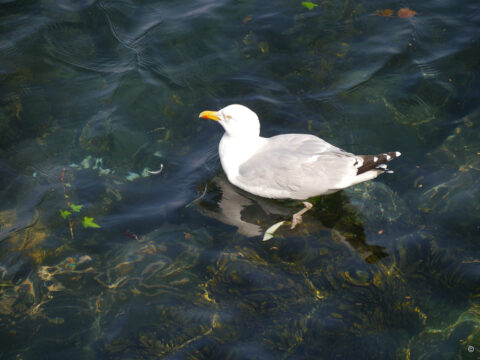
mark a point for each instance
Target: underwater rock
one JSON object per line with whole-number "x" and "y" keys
{"x": 96, "y": 137}
{"x": 378, "y": 203}
{"x": 446, "y": 192}
{"x": 156, "y": 272}
{"x": 9, "y": 135}
{"x": 460, "y": 339}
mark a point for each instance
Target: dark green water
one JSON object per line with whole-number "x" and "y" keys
{"x": 93, "y": 93}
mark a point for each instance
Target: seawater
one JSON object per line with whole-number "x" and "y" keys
{"x": 121, "y": 238}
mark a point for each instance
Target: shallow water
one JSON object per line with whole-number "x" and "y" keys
{"x": 96, "y": 93}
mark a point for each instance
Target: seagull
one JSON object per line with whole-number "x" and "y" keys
{"x": 288, "y": 166}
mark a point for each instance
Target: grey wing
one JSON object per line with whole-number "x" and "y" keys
{"x": 296, "y": 168}
{"x": 302, "y": 143}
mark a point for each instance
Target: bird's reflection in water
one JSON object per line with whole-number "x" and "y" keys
{"x": 253, "y": 215}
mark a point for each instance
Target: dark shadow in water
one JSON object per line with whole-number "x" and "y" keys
{"x": 253, "y": 215}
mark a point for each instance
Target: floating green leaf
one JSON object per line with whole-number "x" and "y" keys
{"x": 64, "y": 213}
{"x": 88, "y": 222}
{"x": 309, "y": 5}
{"x": 76, "y": 208}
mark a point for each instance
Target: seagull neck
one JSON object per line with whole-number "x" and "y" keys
{"x": 234, "y": 151}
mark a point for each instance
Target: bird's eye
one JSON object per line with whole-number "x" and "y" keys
{"x": 228, "y": 117}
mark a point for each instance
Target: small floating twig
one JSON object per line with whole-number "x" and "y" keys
{"x": 197, "y": 199}
{"x": 70, "y": 222}
{"x": 156, "y": 172}
{"x": 474, "y": 261}
{"x": 131, "y": 235}
{"x": 156, "y": 129}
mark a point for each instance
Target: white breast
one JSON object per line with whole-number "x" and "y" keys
{"x": 234, "y": 151}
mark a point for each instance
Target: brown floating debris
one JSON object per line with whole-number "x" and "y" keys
{"x": 385, "y": 12}
{"x": 406, "y": 13}
{"x": 247, "y": 18}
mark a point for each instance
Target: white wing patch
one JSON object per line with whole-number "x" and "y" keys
{"x": 312, "y": 159}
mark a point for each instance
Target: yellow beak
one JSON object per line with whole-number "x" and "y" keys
{"x": 209, "y": 115}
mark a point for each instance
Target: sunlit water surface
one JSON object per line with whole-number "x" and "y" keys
{"x": 95, "y": 94}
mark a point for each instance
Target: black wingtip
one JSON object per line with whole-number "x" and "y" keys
{"x": 371, "y": 162}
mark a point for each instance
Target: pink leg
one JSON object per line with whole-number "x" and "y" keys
{"x": 297, "y": 217}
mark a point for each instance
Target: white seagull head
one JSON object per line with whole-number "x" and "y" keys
{"x": 237, "y": 120}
